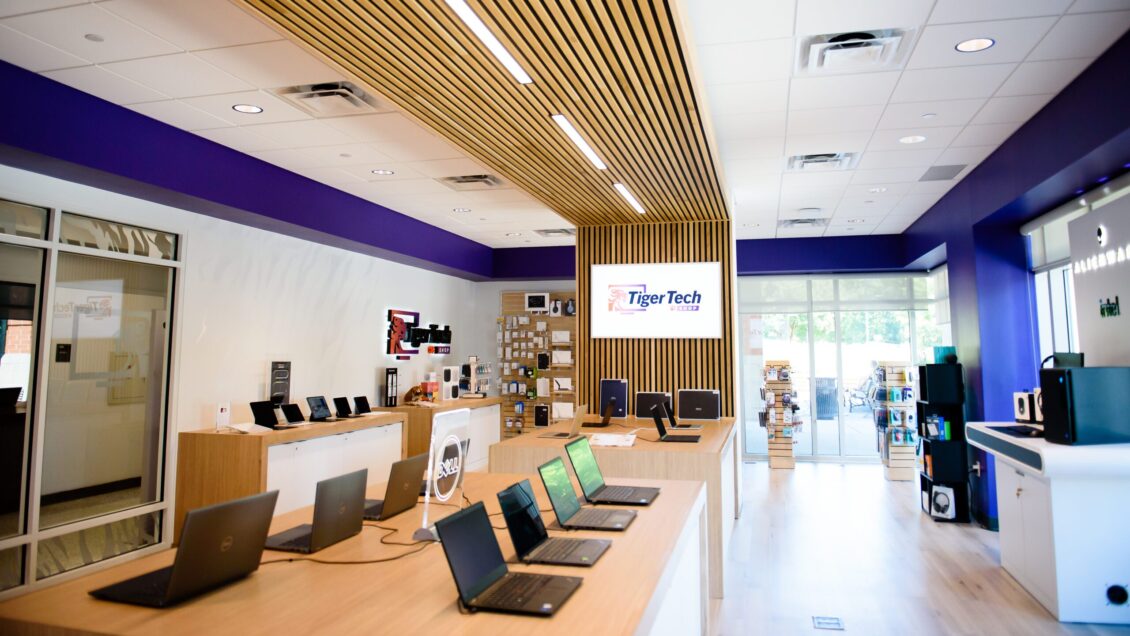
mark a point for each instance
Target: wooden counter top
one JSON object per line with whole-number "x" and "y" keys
{"x": 412, "y": 595}
{"x": 715, "y": 435}
{"x": 446, "y": 405}
{"x": 308, "y": 431}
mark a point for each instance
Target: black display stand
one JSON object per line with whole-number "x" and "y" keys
{"x": 945, "y": 462}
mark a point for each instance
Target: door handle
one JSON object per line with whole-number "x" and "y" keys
{"x": 1018, "y": 491}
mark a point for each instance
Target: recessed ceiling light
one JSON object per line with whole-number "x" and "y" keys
{"x": 623, "y": 190}
{"x": 94, "y": 37}
{"x": 513, "y": 234}
{"x": 579, "y": 141}
{"x": 383, "y": 172}
{"x": 877, "y": 190}
{"x": 487, "y": 38}
{"x": 247, "y": 109}
{"x": 974, "y": 45}
{"x": 869, "y": 201}
{"x": 929, "y": 115}
{"x": 855, "y": 221}
{"x": 912, "y": 139}
{"x": 460, "y": 209}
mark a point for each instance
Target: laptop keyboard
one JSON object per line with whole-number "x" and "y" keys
{"x": 556, "y": 550}
{"x": 591, "y": 516}
{"x": 516, "y": 589}
{"x": 298, "y": 544}
{"x": 617, "y": 492}
{"x": 374, "y": 508}
{"x": 149, "y": 588}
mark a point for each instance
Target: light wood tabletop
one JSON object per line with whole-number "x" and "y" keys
{"x": 410, "y": 595}
{"x": 714, "y": 435}
{"x": 418, "y": 425}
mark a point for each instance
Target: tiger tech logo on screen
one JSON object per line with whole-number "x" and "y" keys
{"x": 628, "y": 299}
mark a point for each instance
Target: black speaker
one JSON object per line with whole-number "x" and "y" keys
{"x": 541, "y": 415}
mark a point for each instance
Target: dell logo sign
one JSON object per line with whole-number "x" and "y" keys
{"x": 226, "y": 543}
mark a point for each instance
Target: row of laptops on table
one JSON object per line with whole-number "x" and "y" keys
{"x": 265, "y": 415}
{"x": 659, "y": 412}
{"x": 693, "y": 404}
{"x": 224, "y": 542}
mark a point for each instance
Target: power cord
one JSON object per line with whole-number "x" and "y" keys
{"x": 422, "y": 544}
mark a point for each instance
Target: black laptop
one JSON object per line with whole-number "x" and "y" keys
{"x": 532, "y": 543}
{"x": 568, "y": 509}
{"x": 592, "y": 482}
{"x": 481, "y": 575}
{"x": 644, "y": 400}
{"x": 401, "y": 492}
{"x": 341, "y": 405}
{"x": 219, "y": 544}
{"x": 319, "y": 410}
{"x": 361, "y": 405}
{"x": 606, "y": 417}
{"x": 674, "y": 423}
{"x": 293, "y": 414}
{"x": 657, "y": 413}
{"x": 264, "y": 413}
{"x": 338, "y": 508}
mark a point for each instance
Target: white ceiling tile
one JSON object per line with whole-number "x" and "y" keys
{"x": 238, "y": 137}
{"x": 836, "y": 142}
{"x": 16, "y": 7}
{"x": 918, "y": 202}
{"x": 842, "y": 90}
{"x": 886, "y": 175}
{"x": 749, "y": 97}
{"x": 102, "y": 83}
{"x": 739, "y": 149}
{"x": 739, "y": 168}
{"x": 759, "y": 231}
{"x": 274, "y": 110}
{"x": 375, "y": 191}
{"x": 301, "y": 134}
{"x": 968, "y": 155}
{"x": 28, "y": 52}
{"x": 876, "y": 159}
{"x": 755, "y": 198}
{"x": 1082, "y": 35}
{"x": 179, "y": 75}
{"x": 912, "y": 208}
{"x": 935, "y": 138}
{"x": 65, "y": 29}
{"x": 935, "y": 188}
{"x": 1014, "y": 40}
{"x": 750, "y": 125}
{"x": 179, "y": 114}
{"x": 749, "y": 61}
{"x": 195, "y": 24}
{"x": 985, "y": 135}
{"x": 1090, "y": 6}
{"x": 806, "y": 212}
{"x": 979, "y": 10}
{"x": 896, "y": 225}
{"x": 837, "y": 16}
{"x": 379, "y": 127}
{"x": 292, "y": 159}
{"x": 271, "y": 64}
{"x": 833, "y": 120}
{"x": 793, "y": 181}
{"x": 869, "y": 207}
{"x": 950, "y": 112}
{"x": 423, "y": 149}
{"x": 1004, "y": 110}
{"x": 889, "y": 190}
{"x": 849, "y": 230}
{"x": 400, "y": 171}
{"x": 937, "y": 84}
{"x": 1036, "y": 78}
{"x": 799, "y": 232}
{"x": 739, "y": 20}
{"x": 343, "y": 155}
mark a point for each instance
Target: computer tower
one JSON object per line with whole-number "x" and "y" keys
{"x": 1086, "y": 405}
{"x": 614, "y": 390}
{"x": 449, "y": 383}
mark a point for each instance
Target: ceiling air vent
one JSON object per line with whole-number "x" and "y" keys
{"x": 802, "y": 223}
{"x": 472, "y": 182}
{"x": 331, "y": 99}
{"x": 559, "y": 232}
{"x": 823, "y": 162}
{"x": 853, "y": 52}
{"x": 942, "y": 173}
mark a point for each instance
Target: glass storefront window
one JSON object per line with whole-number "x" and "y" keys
{"x": 19, "y": 219}
{"x": 85, "y": 231}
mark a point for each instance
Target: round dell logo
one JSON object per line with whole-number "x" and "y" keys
{"x": 226, "y": 543}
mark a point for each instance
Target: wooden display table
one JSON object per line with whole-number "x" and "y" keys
{"x": 485, "y": 416}
{"x": 215, "y": 466}
{"x": 715, "y": 459}
{"x": 651, "y": 580}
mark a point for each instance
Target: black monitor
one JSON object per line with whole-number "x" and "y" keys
{"x": 361, "y": 405}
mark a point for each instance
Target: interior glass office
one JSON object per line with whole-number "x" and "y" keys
{"x": 834, "y": 331}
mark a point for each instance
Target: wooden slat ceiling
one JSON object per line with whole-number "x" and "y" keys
{"x": 615, "y": 69}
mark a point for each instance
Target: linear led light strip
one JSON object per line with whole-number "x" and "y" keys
{"x": 624, "y": 192}
{"x": 582, "y": 145}
{"x": 487, "y": 38}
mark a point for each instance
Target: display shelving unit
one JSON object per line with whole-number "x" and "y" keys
{"x": 943, "y": 462}
{"x": 895, "y": 418}
{"x": 779, "y": 427}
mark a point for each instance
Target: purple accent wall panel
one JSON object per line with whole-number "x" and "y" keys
{"x": 535, "y": 263}
{"x": 817, "y": 255}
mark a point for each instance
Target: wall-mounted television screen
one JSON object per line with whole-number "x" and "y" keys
{"x": 657, "y": 300}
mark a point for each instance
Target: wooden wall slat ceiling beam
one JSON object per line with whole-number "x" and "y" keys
{"x": 616, "y": 70}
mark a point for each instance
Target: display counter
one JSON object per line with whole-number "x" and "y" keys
{"x": 485, "y": 415}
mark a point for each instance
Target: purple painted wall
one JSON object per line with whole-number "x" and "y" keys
{"x": 535, "y": 263}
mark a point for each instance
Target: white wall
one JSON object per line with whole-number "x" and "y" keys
{"x": 1103, "y": 340}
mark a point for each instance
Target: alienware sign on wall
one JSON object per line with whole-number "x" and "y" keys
{"x": 407, "y": 336}
{"x": 657, "y": 300}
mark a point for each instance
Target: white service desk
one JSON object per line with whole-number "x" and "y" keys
{"x": 1064, "y": 516}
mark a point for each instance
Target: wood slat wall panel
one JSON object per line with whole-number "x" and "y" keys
{"x": 616, "y": 69}
{"x": 656, "y": 364}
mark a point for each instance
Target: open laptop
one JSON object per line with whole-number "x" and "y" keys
{"x": 361, "y": 405}
{"x": 319, "y": 410}
{"x": 341, "y": 405}
{"x": 532, "y": 543}
{"x": 699, "y": 404}
{"x": 481, "y": 575}
{"x": 575, "y": 429}
{"x": 401, "y": 492}
{"x": 219, "y": 544}
{"x": 675, "y": 424}
{"x": 644, "y": 400}
{"x": 592, "y": 482}
{"x": 338, "y": 508}
{"x": 293, "y": 414}
{"x": 606, "y": 417}
{"x": 568, "y": 509}
{"x": 658, "y": 411}
{"x": 264, "y": 413}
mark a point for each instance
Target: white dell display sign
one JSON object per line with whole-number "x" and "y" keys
{"x": 657, "y": 300}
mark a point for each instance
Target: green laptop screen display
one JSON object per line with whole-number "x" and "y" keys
{"x": 584, "y": 463}
{"x": 560, "y": 489}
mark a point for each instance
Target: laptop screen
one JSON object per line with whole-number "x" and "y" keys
{"x": 264, "y": 413}
{"x": 293, "y": 413}
{"x": 523, "y": 521}
{"x": 342, "y": 406}
{"x": 559, "y": 488}
{"x": 362, "y": 404}
{"x": 319, "y": 410}
{"x": 472, "y": 550}
{"x": 584, "y": 464}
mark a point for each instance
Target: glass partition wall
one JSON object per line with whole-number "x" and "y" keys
{"x": 834, "y": 331}
{"x": 85, "y": 341}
